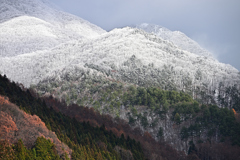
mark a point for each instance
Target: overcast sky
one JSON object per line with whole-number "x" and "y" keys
{"x": 214, "y": 24}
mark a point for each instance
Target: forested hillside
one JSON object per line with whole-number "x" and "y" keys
{"x": 43, "y": 149}
{"x": 84, "y": 139}
{"x": 16, "y": 125}
{"x": 100, "y": 141}
{"x": 152, "y": 109}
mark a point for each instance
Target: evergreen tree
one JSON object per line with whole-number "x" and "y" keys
{"x": 177, "y": 118}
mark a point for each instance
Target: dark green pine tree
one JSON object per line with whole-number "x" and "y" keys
{"x": 20, "y": 150}
{"x": 177, "y": 118}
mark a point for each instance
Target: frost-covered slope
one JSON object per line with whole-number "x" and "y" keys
{"x": 178, "y": 38}
{"x": 30, "y": 25}
{"x": 127, "y": 54}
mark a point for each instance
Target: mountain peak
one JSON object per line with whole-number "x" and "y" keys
{"x": 25, "y": 26}
{"x": 151, "y": 27}
{"x": 176, "y": 37}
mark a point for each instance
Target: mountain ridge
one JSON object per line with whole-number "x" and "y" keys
{"x": 176, "y": 37}
{"x": 112, "y": 49}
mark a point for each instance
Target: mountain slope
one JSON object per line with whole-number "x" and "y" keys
{"x": 28, "y": 26}
{"x": 128, "y": 54}
{"x": 16, "y": 124}
{"x": 100, "y": 77}
{"x": 136, "y": 56}
{"x": 86, "y": 141}
{"x": 103, "y": 141}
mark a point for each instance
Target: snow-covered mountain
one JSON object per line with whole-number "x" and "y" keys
{"x": 30, "y": 25}
{"x": 176, "y": 37}
{"x": 85, "y": 72}
{"x": 65, "y": 55}
{"x": 163, "y": 58}
{"x": 141, "y": 57}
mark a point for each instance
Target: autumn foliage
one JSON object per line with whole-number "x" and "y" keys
{"x": 3, "y": 100}
{"x": 6, "y": 150}
{"x": 16, "y": 124}
{"x": 89, "y": 134}
{"x": 82, "y": 138}
{"x": 237, "y": 115}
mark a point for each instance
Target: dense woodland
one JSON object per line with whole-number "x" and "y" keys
{"x": 83, "y": 138}
{"x": 43, "y": 149}
{"x": 93, "y": 136}
{"x": 86, "y": 141}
